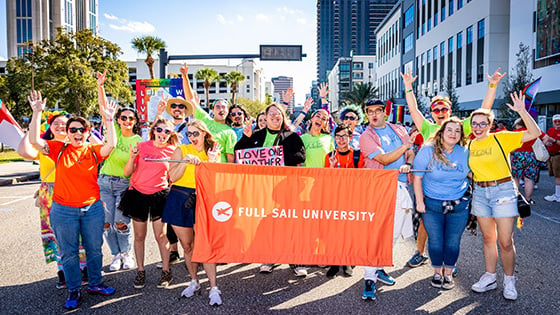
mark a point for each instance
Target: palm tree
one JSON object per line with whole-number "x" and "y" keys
{"x": 233, "y": 79}
{"x": 361, "y": 93}
{"x": 209, "y": 76}
{"x": 148, "y": 45}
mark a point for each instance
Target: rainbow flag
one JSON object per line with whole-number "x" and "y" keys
{"x": 10, "y": 131}
{"x": 530, "y": 91}
{"x": 399, "y": 114}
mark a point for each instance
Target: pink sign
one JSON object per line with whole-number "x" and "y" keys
{"x": 261, "y": 156}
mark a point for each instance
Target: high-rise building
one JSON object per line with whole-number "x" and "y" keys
{"x": 281, "y": 84}
{"x": 38, "y": 19}
{"x": 345, "y": 25}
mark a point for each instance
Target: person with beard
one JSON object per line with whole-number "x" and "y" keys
{"x": 237, "y": 118}
{"x": 440, "y": 107}
{"x": 223, "y": 134}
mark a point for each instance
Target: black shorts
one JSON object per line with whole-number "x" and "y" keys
{"x": 139, "y": 206}
{"x": 180, "y": 206}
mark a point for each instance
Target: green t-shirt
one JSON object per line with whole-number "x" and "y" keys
{"x": 114, "y": 164}
{"x": 429, "y": 128}
{"x": 223, "y": 134}
{"x": 316, "y": 148}
{"x": 269, "y": 139}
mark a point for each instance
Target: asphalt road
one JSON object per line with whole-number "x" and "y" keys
{"x": 27, "y": 284}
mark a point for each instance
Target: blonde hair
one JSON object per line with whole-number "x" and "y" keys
{"x": 173, "y": 138}
{"x": 437, "y": 139}
{"x": 484, "y": 112}
{"x": 439, "y": 98}
{"x": 209, "y": 141}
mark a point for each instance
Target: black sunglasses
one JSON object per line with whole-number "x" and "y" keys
{"x": 125, "y": 118}
{"x": 181, "y": 106}
{"x": 350, "y": 118}
{"x": 233, "y": 114}
{"x": 159, "y": 129}
{"x": 76, "y": 129}
{"x": 193, "y": 134}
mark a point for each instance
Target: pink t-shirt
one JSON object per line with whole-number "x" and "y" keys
{"x": 149, "y": 177}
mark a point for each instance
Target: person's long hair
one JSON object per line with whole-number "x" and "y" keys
{"x": 285, "y": 124}
{"x": 209, "y": 140}
{"x": 325, "y": 129}
{"x": 246, "y": 117}
{"x": 173, "y": 138}
{"x": 437, "y": 139}
{"x": 136, "y": 128}
{"x": 49, "y": 135}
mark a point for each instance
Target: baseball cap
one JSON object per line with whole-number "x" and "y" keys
{"x": 556, "y": 117}
{"x": 375, "y": 101}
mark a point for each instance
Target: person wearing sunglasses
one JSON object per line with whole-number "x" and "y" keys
{"x": 76, "y": 207}
{"x": 494, "y": 200}
{"x": 353, "y": 116}
{"x": 237, "y": 118}
{"x": 225, "y": 136}
{"x": 145, "y": 198}
{"x": 318, "y": 141}
{"x": 440, "y": 107}
{"x": 113, "y": 183}
{"x": 387, "y": 146}
{"x": 180, "y": 206}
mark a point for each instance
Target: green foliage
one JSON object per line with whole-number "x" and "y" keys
{"x": 64, "y": 70}
{"x": 268, "y": 99}
{"x": 360, "y": 94}
{"x": 233, "y": 79}
{"x": 209, "y": 76}
{"x": 451, "y": 92}
{"x": 519, "y": 76}
{"x": 252, "y": 107}
{"x": 148, "y": 45}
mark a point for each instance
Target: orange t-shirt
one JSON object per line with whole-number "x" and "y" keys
{"x": 344, "y": 160}
{"x": 75, "y": 184}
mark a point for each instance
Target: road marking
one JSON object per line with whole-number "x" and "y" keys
{"x": 5, "y": 209}
{"x": 14, "y": 201}
{"x": 547, "y": 218}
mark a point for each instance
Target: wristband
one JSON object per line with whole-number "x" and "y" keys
{"x": 109, "y": 119}
{"x": 285, "y": 103}
{"x": 492, "y": 85}
{"x": 407, "y": 91}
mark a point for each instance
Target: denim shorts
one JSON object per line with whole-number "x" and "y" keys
{"x": 179, "y": 210}
{"x": 496, "y": 201}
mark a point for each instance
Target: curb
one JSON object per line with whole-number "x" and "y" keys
{"x": 19, "y": 179}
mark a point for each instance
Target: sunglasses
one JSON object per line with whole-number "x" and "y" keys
{"x": 193, "y": 134}
{"x": 181, "y": 106}
{"x": 76, "y": 129}
{"x": 352, "y": 118}
{"x": 159, "y": 130}
{"x": 479, "y": 125}
{"x": 233, "y": 114}
{"x": 440, "y": 110}
{"x": 125, "y": 118}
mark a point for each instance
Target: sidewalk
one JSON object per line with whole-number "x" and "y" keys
{"x": 16, "y": 172}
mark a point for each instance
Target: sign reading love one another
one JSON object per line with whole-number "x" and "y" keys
{"x": 316, "y": 216}
{"x": 261, "y": 156}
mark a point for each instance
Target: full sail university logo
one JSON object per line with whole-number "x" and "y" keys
{"x": 222, "y": 211}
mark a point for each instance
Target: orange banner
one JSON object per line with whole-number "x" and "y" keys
{"x": 314, "y": 216}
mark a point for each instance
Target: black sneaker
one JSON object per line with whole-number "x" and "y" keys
{"x": 84, "y": 276}
{"x": 437, "y": 280}
{"x": 448, "y": 283}
{"x": 333, "y": 270}
{"x": 140, "y": 280}
{"x": 165, "y": 279}
{"x": 348, "y": 270}
{"x": 61, "y": 283}
{"x": 174, "y": 258}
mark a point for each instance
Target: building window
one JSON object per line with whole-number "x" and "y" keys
{"x": 459, "y": 56}
{"x": 459, "y": 4}
{"x": 468, "y": 66}
{"x": 409, "y": 16}
{"x": 480, "y": 52}
{"x": 441, "y": 62}
{"x": 450, "y": 45}
{"x": 408, "y": 43}
{"x": 450, "y": 7}
{"x": 443, "y": 10}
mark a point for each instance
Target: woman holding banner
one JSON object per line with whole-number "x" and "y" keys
{"x": 179, "y": 210}
{"x": 442, "y": 197}
{"x": 145, "y": 198}
{"x": 318, "y": 141}
{"x": 276, "y": 133}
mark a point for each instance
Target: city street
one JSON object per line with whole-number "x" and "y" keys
{"x": 27, "y": 284}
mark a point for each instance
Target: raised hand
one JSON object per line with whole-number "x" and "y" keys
{"x": 248, "y": 130}
{"x": 162, "y": 105}
{"x": 412, "y": 138}
{"x": 332, "y": 160}
{"x": 37, "y": 103}
{"x": 307, "y": 105}
{"x": 518, "y": 102}
{"x": 408, "y": 79}
{"x": 133, "y": 149}
{"x": 184, "y": 70}
{"x": 496, "y": 77}
{"x": 287, "y": 95}
{"x": 101, "y": 77}
{"x": 109, "y": 110}
{"x": 214, "y": 152}
{"x": 323, "y": 90}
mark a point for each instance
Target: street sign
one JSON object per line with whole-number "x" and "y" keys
{"x": 280, "y": 52}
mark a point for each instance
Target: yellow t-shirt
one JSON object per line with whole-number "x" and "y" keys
{"x": 188, "y": 180}
{"x": 486, "y": 159}
{"x": 46, "y": 167}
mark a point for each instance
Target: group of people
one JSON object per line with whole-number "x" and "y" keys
{"x": 155, "y": 179}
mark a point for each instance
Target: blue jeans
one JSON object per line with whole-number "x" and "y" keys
{"x": 117, "y": 226}
{"x": 444, "y": 231}
{"x": 68, "y": 224}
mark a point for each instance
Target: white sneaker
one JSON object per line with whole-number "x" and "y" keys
{"x": 266, "y": 268}
{"x": 510, "y": 293}
{"x": 215, "y": 296}
{"x": 300, "y": 271}
{"x": 191, "y": 289}
{"x": 486, "y": 283}
{"x": 552, "y": 198}
{"x": 127, "y": 261}
{"x": 116, "y": 263}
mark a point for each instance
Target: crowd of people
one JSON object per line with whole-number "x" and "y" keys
{"x": 128, "y": 178}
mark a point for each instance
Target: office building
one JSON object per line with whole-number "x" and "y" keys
{"x": 281, "y": 84}
{"x": 344, "y": 26}
{"x": 36, "y": 20}
{"x": 341, "y": 77}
